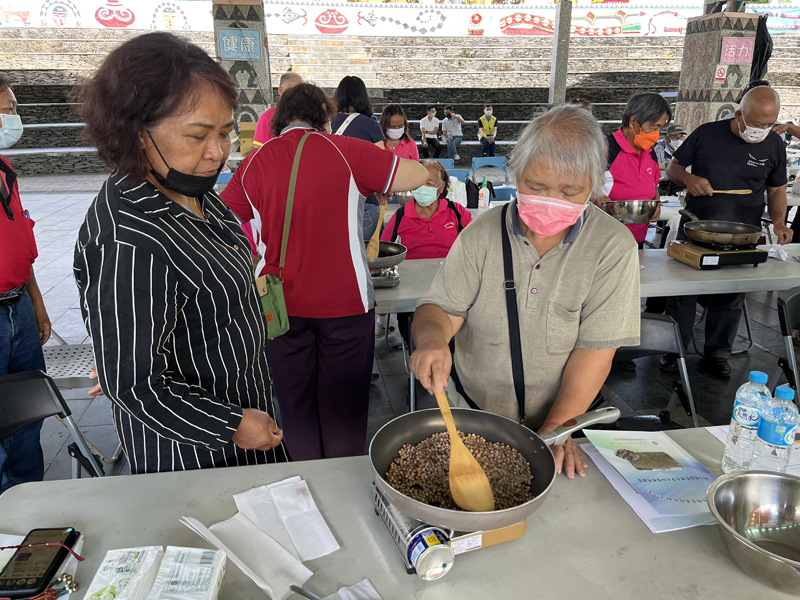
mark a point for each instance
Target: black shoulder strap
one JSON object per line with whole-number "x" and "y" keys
{"x": 452, "y": 206}
{"x": 510, "y": 287}
{"x": 613, "y": 149}
{"x": 398, "y": 216}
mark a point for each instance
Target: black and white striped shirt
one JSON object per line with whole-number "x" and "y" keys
{"x": 179, "y": 336}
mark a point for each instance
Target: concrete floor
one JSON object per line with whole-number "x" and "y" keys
{"x": 59, "y": 213}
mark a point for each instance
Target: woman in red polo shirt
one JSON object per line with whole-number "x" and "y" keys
{"x": 430, "y": 224}
{"x": 426, "y": 226}
{"x": 633, "y": 171}
{"x": 322, "y": 366}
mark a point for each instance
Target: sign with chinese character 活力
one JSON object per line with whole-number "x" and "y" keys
{"x": 737, "y": 50}
{"x": 239, "y": 44}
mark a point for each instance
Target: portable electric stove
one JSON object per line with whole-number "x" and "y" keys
{"x": 385, "y": 278}
{"x": 713, "y": 256}
{"x": 428, "y": 550}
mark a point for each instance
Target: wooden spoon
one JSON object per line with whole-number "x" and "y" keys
{"x": 374, "y": 246}
{"x": 468, "y": 483}
{"x": 741, "y": 192}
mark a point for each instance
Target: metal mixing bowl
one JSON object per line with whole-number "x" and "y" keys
{"x": 759, "y": 517}
{"x": 632, "y": 212}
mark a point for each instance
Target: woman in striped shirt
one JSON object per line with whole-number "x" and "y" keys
{"x": 163, "y": 269}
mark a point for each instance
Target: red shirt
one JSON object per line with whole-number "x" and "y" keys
{"x": 16, "y": 236}
{"x": 263, "y": 132}
{"x": 326, "y": 273}
{"x": 405, "y": 149}
{"x": 635, "y": 175}
{"x": 427, "y": 238}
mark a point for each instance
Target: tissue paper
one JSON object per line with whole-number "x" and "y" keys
{"x": 308, "y": 530}
{"x": 287, "y": 512}
{"x": 270, "y": 567}
{"x": 776, "y": 251}
{"x": 258, "y": 506}
{"x": 363, "y": 590}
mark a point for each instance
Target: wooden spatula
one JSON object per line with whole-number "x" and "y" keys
{"x": 742, "y": 192}
{"x": 374, "y": 246}
{"x": 468, "y": 483}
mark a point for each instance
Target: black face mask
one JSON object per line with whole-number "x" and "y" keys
{"x": 188, "y": 185}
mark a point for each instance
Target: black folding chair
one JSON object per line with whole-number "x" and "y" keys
{"x": 659, "y": 334}
{"x": 30, "y": 396}
{"x": 789, "y": 317}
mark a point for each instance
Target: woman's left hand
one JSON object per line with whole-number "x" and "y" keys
{"x": 569, "y": 459}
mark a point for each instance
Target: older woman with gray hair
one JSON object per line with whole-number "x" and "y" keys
{"x": 538, "y": 294}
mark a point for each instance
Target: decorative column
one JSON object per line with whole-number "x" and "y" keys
{"x": 242, "y": 47}
{"x": 560, "y": 61}
{"x": 717, "y": 57}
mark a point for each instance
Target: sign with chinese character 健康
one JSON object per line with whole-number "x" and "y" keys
{"x": 239, "y": 44}
{"x": 737, "y": 50}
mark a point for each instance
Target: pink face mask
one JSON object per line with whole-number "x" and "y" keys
{"x": 548, "y": 216}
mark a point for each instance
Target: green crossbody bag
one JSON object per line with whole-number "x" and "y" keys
{"x": 270, "y": 287}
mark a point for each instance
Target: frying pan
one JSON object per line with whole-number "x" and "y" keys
{"x": 725, "y": 233}
{"x": 389, "y": 255}
{"x": 412, "y": 428}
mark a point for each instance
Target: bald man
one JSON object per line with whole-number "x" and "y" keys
{"x": 742, "y": 153}
{"x": 263, "y": 132}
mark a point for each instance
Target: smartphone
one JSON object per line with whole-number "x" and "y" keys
{"x": 32, "y": 568}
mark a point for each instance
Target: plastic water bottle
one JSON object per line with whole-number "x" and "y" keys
{"x": 776, "y": 432}
{"x": 483, "y": 196}
{"x": 751, "y": 398}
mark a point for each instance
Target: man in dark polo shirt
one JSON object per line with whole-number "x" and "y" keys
{"x": 734, "y": 154}
{"x": 24, "y": 324}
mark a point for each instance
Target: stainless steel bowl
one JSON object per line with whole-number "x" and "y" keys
{"x": 759, "y": 517}
{"x": 389, "y": 255}
{"x": 632, "y": 212}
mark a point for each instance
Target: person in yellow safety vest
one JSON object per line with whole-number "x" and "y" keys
{"x": 487, "y": 130}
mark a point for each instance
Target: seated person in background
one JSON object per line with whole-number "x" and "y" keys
{"x": 263, "y": 133}
{"x": 429, "y": 126}
{"x": 673, "y": 138}
{"x": 426, "y": 226}
{"x": 394, "y": 124}
{"x": 451, "y": 127}
{"x": 487, "y": 130}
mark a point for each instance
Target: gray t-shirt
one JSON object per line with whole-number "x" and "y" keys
{"x": 584, "y": 293}
{"x": 452, "y": 126}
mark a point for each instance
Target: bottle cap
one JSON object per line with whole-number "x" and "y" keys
{"x": 758, "y": 377}
{"x": 784, "y": 392}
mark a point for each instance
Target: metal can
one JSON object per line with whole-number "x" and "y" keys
{"x": 423, "y": 548}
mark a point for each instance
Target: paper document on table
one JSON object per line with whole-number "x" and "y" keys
{"x": 287, "y": 512}
{"x": 721, "y": 433}
{"x": 663, "y": 483}
{"x": 270, "y": 567}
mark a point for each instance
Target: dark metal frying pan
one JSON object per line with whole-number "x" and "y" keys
{"x": 724, "y": 233}
{"x": 412, "y": 428}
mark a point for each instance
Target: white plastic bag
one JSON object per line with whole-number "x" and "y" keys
{"x": 457, "y": 191}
